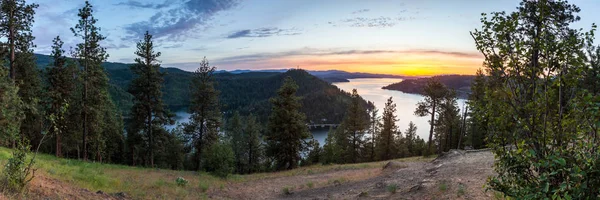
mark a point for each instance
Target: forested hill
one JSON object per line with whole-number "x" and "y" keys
{"x": 246, "y": 92}
{"x": 460, "y": 83}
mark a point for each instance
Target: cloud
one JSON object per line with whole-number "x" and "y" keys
{"x": 263, "y": 32}
{"x": 116, "y": 46}
{"x": 137, "y": 4}
{"x": 379, "y": 22}
{"x": 321, "y": 52}
{"x": 178, "y": 22}
{"x": 361, "y": 11}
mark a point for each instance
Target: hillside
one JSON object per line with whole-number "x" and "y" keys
{"x": 461, "y": 83}
{"x": 246, "y": 92}
{"x": 456, "y": 175}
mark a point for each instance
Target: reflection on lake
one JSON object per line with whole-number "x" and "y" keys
{"x": 370, "y": 90}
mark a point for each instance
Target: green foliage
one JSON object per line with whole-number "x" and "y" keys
{"x": 220, "y": 160}
{"x": 11, "y": 113}
{"x": 148, "y": 112}
{"x": 18, "y": 170}
{"x": 206, "y": 116}
{"x": 434, "y": 93}
{"x": 392, "y": 187}
{"x": 386, "y": 140}
{"x": 354, "y": 128}
{"x": 181, "y": 182}
{"x": 287, "y": 190}
{"x": 541, "y": 120}
{"x": 286, "y": 129}
{"x": 95, "y": 101}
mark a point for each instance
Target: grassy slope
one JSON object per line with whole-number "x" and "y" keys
{"x": 144, "y": 183}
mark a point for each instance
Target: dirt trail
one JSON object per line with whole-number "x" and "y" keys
{"x": 456, "y": 175}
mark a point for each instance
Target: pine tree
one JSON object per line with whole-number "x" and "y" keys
{"x": 331, "y": 151}
{"x": 148, "y": 112}
{"x": 253, "y": 144}
{"x": 386, "y": 147}
{"x": 411, "y": 134}
{"x": 11, "y": 111}
{"x": 479, "y": 117}
{"x": 374, "y": 125}
{"x": 236, "y": 136}
{"x": 90, "y": 56}
{"x": 434, "y": 93}
{"x": 286, "y": 129}
{"x": 205, "y": 111}
{"x": 16, "y": 21}
{"x": 355, "y": 126}
{"x": 447, "y": 122}
{"x": 61, "y": 87}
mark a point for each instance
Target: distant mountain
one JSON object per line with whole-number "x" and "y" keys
{"x": 246, "y": 92}
{"x": 460, "y": 83}
{"x": 331, "y": 76}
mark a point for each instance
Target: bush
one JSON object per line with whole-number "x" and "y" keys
{"x": 392, "y": 188}
{"x": 220, "y": 160}
{"x": 18, "y": 172}
{"x": 181, "y": 181}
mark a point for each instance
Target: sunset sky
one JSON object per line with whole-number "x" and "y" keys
{"x": 409, "y": 37}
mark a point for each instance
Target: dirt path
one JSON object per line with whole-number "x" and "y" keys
{"x": 456, "y": 175}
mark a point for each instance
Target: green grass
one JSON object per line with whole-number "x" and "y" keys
{"x": 392, "y": 188}
{"x": 443, "y": 186}
{"x": 461, "y": 190}
{"x": 146, "y": 183}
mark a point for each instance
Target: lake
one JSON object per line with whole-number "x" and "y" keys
{"x": 370, "y": 90}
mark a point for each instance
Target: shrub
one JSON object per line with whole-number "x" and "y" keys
{"x": 220, "y": 160}
{"x": 287, "y": 191}
{"x": 18, "y": 172}
{"x": 392, "y": 188}
{"x": 181, "y": 181}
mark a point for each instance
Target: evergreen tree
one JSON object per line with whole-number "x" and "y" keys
{"x": 355, "y": 125}
{"x": 148, "y": 112}
{"x": 447, "y": 122}
{"x": 386, "y": 145}
{"x": 286, "y": 129}
{"x": 477, "y": 130}
{"x": 374, "y": 125}
{"x": 253, "y": 144}
{"x": 205, "y": 118}
{"x": 434, "y": 93}
{"x": 238, "y": 140}
{"x": 331, "y": 150}
{"x": 11, "y": 113}
{"x": 16, "y": 21}
{"x": 411, "y": 139}
{"x": 60, "y": 91}
{"x": 95, "y": 98}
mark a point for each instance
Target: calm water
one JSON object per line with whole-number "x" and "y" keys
{"x": 370, "y": 90}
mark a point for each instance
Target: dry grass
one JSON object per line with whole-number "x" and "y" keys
{"x": 145, "y": 183}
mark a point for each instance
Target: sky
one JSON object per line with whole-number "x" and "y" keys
{"x": 404, "y": 37}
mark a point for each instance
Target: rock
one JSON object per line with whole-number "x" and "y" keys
{"x": 99, "y": 192}
{"x": 393, "y": 165}
{"x": 380, "y": 185}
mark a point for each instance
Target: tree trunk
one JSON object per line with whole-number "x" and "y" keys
{"x": 11, "y": 38}
{"x": 58, "y": 146}
{"x": 463, "y": 127}
{"x": 151, "y": 145}
{"x": 431, "y": 125}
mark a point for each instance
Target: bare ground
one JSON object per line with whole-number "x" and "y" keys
{"x": 454, "y": 175}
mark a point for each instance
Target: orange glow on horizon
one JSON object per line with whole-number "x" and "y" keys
{"x": 397, "y": 63}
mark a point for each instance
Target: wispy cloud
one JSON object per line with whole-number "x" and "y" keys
{"x": 263, "y": 32}
{"x": 361, "y": 11}
{"x": 137, "y": 4}
{"x": 178, "y": 22}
